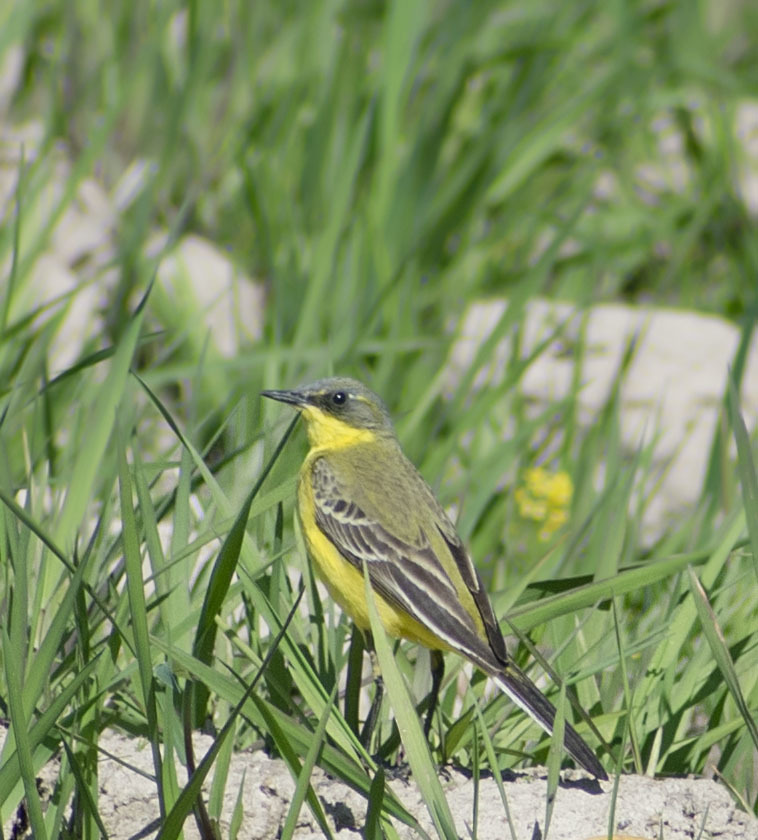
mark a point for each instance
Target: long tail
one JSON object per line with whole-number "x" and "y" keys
{"x": 528, "y": 697}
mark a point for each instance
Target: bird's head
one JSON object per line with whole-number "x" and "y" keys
{"x": 338, "y": 411}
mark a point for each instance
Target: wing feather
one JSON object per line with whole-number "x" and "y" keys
{"x": 481, "y": 599}
{"x": 405, "y": 571}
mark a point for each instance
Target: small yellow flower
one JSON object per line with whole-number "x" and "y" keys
{"x": 535, "y": 479}
{"x": 530, "y": 507}
{"x": 560, "y": 490}
{"x": 545, "y": 498}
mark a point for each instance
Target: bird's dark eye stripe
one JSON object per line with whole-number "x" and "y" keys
{"x": 339, "y": 397}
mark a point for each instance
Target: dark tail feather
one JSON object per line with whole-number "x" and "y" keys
{"x": 528, "y": 697}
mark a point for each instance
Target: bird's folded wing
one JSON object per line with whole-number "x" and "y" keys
{"x": 406, "y": 573}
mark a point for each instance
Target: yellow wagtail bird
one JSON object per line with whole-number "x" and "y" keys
{"x": 360, "y": 500}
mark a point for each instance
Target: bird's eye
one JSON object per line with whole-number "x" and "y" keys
{"x": 339, "y": 397}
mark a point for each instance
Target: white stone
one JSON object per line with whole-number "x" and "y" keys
{"x": 199, "y": 277}
{"x": 11, "y": 64}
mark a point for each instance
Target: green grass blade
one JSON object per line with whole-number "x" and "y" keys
{"x": 220, "y": 776}
{"x": 103, "y": 412}
{"x": 372, "y": 828}
{"x": 303, "y": 786}
{"x": 476, "y": 776}
{"x": 628, "y": 694}
{"x": 226, "y": 561}
{"x": 13, "y": 669}
{"x": 138, "y": 612}
{"x": 411, "y": 733}
{"x": 746, "y": 466}
{"x": 629, "y": 580}
{"x": 221, "y": 577}
{"x": 555, "y": 755}
{"x": 489, "y": 748}
{"x": 38, "y": 672}
{"x": 84, "y": 790}
{"x": 238, "y": 813}
{"x": 717, "y": 643}
{"x": 737, "y": 372}
{"x": 354, "y": 678}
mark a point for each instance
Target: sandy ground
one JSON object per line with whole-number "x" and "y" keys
{"x": 674, "y": 809}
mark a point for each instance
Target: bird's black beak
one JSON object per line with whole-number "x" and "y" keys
{"x": 296, "y": 398}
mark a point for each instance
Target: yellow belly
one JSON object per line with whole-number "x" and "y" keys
{"x": 345, "y": 582}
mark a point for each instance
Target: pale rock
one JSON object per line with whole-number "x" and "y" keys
{"x": 672, "y": 392}
{"x": 201, "y": 279}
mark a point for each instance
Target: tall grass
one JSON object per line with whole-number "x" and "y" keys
{"x": 376, "y": 168}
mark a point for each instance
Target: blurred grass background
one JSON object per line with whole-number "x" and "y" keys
{"x": 371, "y": 169}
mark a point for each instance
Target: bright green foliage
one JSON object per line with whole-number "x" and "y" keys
{"x": 376, "y": 167}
